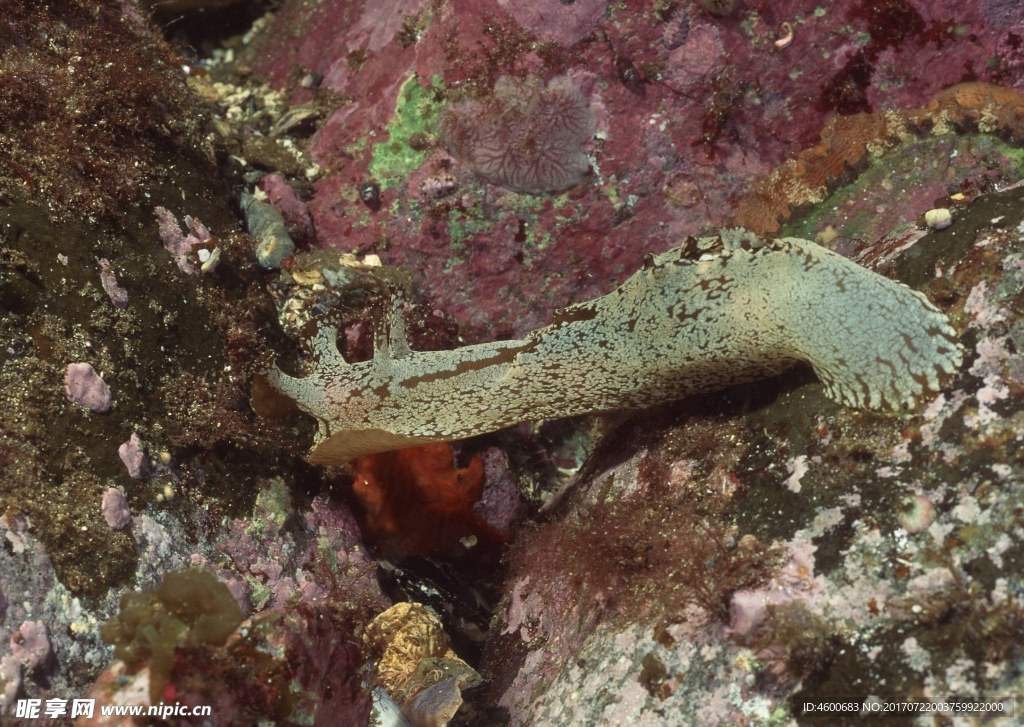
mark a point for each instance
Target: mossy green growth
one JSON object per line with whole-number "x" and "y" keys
{"x": 189, "y": 606}
{"x": 273, "y": 504}
{"x": 415, "y": 114}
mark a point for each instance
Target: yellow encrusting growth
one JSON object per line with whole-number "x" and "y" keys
{"x": 715, "y": 312}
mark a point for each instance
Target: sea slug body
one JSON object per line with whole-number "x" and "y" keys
{"x": 715, "y": 312}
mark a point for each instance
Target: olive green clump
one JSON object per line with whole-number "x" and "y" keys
{"x": 189, "y": 606}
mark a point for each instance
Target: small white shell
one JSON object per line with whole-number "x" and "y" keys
{"x": 211, "y": 261}
{"x": 938, "y": 219}
{"x": 787, "y": 37}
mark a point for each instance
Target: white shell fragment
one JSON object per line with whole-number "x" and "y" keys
{"x": 786, "y": 38}
{"x": 678, "y": 326}
{"x": 938, "y": 219}
{"x": 385, "y": 713}
{"x": 211, "y": 262}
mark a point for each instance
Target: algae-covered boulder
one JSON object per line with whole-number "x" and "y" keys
{"x": 188, "y": 606}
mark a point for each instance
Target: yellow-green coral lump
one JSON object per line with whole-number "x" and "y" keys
{"x": 685, "y": 323}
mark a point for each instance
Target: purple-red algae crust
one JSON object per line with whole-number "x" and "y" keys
{"x": 674, "y": 152}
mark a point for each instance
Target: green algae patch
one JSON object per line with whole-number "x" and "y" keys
{"x": 415, "y": 116}
{"x": 189, "y": 606}
{"x": 273, "y": 506}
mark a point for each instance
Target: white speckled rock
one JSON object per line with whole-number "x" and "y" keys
{"x": 717, "y": 311}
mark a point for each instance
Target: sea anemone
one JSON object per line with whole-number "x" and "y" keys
{"x": 526, "y": 137}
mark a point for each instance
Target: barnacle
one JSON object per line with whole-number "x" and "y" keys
{"x": 369, "y": 192}
{"x": 716, "y": 311}
{"x": 526, "y": 137}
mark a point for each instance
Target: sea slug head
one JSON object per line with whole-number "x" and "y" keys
{"x": 344, "y": 398}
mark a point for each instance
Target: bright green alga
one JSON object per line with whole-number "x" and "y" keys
{"x": 415, "y": 113}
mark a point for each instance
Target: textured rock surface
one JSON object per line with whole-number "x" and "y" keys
{"x": 870, "y": 599}
{"x": 668, "y": 161}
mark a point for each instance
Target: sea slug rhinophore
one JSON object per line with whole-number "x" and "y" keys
{"x": 714, "y": 312}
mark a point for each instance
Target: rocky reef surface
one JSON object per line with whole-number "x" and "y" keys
{"x": 729, "y": 559}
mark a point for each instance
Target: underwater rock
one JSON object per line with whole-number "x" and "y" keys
{"x": 849, "y": 142}
{"x": 273, "y": 243}
{"x": 720, "y": 111}
{"x": 566, "y": 23}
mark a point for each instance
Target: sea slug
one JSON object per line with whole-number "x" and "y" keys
{"x": 714, "y": 312}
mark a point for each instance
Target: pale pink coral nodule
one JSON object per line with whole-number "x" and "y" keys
{"x": 118, "y": 295}
{"x": 115, "y": 509}
{"x": 176, "y": 242}
{"x": 133, "y": 457}
{"x": 82, "y": 385}
{"x": 527, "y": 137}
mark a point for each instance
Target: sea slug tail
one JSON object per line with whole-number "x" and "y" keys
{"x": 874, "y": 343}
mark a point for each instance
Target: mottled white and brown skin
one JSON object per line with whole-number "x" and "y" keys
{"x": 683, "y": 324}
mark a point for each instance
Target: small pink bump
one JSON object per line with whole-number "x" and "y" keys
{"x": 916, "y": 513}
{"x": 115, "y": 509}
{"x": 133, "y": 456}
{"x": 82, "y": 385}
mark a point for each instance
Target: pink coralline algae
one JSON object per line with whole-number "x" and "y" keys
{"x": 133, "y": 457}
{"x": 527, "y": 137}
{"x": 82, "y": 385}
{"x": 795, "y": 581}
{"x": 178, "y": 244}
{"x": 500, "y": 504}
{"x": 1010, "y": 52}
{"x": 115, "y": 509}
{"x": 29, "y": 649}
{"x": 118, "y": 295}
{"x": 566, "y": 23}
